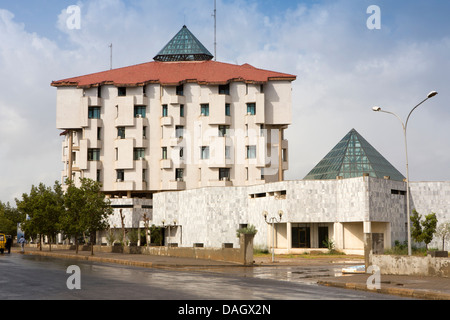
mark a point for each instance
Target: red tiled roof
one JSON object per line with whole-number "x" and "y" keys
{"x": 174, "y": 73}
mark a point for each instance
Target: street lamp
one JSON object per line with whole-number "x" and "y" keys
{"x": 405, "y": 127}
{"x": 272, "y": 221}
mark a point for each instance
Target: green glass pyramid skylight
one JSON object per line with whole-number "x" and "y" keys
{"x": 184, "y": 47}
{"x": 352, "y": 157}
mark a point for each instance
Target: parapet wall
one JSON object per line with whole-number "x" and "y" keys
{"x": 412, "y": 266}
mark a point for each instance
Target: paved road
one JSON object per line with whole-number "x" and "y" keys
{"x": 44, "y": 278}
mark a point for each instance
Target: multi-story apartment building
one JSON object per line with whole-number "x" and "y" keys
{"x": 180, "y": 122}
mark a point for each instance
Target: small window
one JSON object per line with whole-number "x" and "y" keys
{"x": 139, "y": 153}
{"x": 120, "y": 175}
{"x": 144, "y": 132}
{"x": 140, "y": 111}
{"x": 251, "y": 152}
{"x": 121, "y": 132}
{"x": 223, "y": 131}
{"x": 164, "y": 153}
{"x": 204, "y": 153}
{"x": 224, "y": 174}
{"x": 179, "y": 174}
{"x": 99, "y": 175}
{"x": 121, "y": 91}
{"x": 93, "y": 154}
{"x": 251, "y": 108}
{"x": 182, "y": 110}
{"x": 180, "y": 90}
{"x": 165, "y": 110}
{"x": 94, "y": 112}
{"x": 99, "y": 91}
{"x": 204, "y": 109}
{"x": 179, "y": 131}
{"x": 227, "y": 152}
{"x": 227, "y": 109}
{"x": 224, "y": 89}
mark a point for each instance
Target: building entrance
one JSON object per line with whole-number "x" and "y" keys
{"x": 301, "y": 237}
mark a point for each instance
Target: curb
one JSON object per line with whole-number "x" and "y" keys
{"x": 409, "y": 293}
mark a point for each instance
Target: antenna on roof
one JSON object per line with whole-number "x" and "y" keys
{"x": 110, "y": 56}
{"x": 215, "y": 30}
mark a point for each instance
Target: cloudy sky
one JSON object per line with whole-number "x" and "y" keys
{"x": 343, "y": 68}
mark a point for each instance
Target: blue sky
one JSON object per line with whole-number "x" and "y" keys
{"x": 343, "y": 70}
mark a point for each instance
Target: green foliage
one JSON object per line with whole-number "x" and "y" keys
{"x": 423, "y": 231}
{"x": 42, "y": 208}
{"x": 9, "y": 218}
{"x": 251, "y": 229}
{"x": 49, "y": 211}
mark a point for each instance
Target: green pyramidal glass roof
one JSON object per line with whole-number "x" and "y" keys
{"x": 184, "y": 47}
{"x": 352, "y": 157}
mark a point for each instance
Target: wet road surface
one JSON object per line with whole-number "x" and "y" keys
{"x": 43, "y": 278}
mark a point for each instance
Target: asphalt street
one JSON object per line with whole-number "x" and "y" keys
{"x": 24, "y": 277}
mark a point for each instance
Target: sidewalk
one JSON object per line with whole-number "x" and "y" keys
{"x": 426, "y": 288}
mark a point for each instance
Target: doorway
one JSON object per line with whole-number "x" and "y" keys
{"x": 323, "y": 237}
{"x": 301, "y": 237}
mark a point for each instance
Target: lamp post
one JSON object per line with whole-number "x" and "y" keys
{"x": 272, "y": 221}
{"x": 405, "y": 127}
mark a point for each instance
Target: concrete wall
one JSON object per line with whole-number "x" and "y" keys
{"x": 414, "y": 266}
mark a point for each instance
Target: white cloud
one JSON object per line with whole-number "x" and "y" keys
{"x": 343, "y": 70}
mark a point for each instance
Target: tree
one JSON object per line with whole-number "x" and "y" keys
{"x": 443, "y": 231}
{"x": 423, "y": 231}
{"x": 42, "y": 208}
{"x": 9, "y": 218}
{"x": 86, "y": 210}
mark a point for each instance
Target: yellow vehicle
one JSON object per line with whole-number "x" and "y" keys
{"x": 2, "y": 243}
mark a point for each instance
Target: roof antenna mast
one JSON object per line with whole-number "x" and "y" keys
{"x": 110, "y": 56}
{"x": 215, "y": 30}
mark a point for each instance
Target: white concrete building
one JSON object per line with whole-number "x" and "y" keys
{"x": 198, "y": 146}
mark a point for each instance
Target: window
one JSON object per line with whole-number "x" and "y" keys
{"x": 165, "y": 110}
{"x": 284, "y": 155}
{"x": 262, "y": 174}
{"x": 223, "y": 131}
{"x": 179, "y": 131}
{"x": 227, "y": 109}
{"x": 251, "y": 108}
{"x": 144, "y": 132}
{"x": 179, "y": 174}
{"x": 99, "y": 133}
{"x": 138, "y": 153}
{"x": 182, "y": 110}
{"x": 99, "y": 91}
{"x": 99, "y": 175}
{"x": 120, "y": 175}
{"x": 164, "y": 153}
{"x": 224, "y": 89}
{"x": 181, "y": 153}
{"x": 140, "y": 111}
{"x": 251, "y": 152}
{"x": 144, "y": 175}
{"x": 94, "y": 113}
{"x": 180, "y": 90}
{"x": 121, "y": 91}
{"x": 204, "y": 109}
{"x": 227, "y": 152}
{"x": 204, "y": 153}
{"x": 121, "y": 132}
{"x": 224, "y": 174}
{"x": 93, "y": 154}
